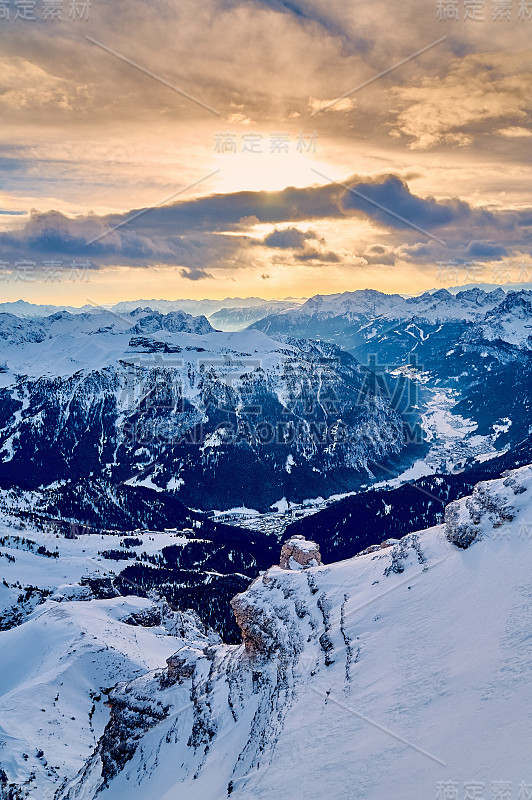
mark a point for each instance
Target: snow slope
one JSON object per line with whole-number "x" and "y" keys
{"x": 370, "y": 322}
{"x": 77, "y": 558}
{"x": 53, "y": 672}
{"x": 59, "y": 657}
{"x": 239, "y": 318}
{"x": 511, "y": 321}
{"x": 395, "y": 675}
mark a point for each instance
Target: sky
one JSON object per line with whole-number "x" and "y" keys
{"x": 214, "y": 148}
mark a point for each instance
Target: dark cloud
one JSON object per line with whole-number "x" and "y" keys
{"x": 380, "y": 254}
{"x": 309, "y": 242}
{"x": 289, "y": 238}
{"x": 54, "y": 236}
{"x": 486, "y": 250}
{"x": 388, "y": 198}
{"x": 316, "y": 255}
{"x": 458, "y": 253}
{"x": 391, "y": 196}
{"x": 222, "y": 212}
{"x": 195, "y": 274}
{"x": 192, "y": 234}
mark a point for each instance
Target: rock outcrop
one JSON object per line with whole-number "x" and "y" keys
{"x": 299, "y": 553}
{"x": 489, "y": 507}
{"x": 182, "y": 664}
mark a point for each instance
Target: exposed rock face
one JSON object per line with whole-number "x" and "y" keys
{"x": 133, "y": 712}
{"x": 184, "y": 625}
{"x": 138, "y": 706}
{"x": 183, "y": 663}
{"x": 489, "y": 507}
{"x": 280, "y": 613}
{"x": 145, "y": 345}
{"x": 175, "y": 322}
{"x": 72, "y": 592}
{"x": 389, "y": 543}
{"x": 375, "y": 548}
{"x": 298, "y": 553}
{"x": 262, "y": 632}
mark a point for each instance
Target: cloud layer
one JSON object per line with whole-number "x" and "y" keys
{"x": 218, "y": 231}
{"x": 432, "y": 159}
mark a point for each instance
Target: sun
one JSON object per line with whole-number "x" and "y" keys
{"x": 264, "y": 171}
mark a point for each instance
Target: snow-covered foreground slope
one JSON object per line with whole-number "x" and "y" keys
{"x": 53, "y": 669}
{"x": 196, "y": 563}
{"x": 400, "y": 674}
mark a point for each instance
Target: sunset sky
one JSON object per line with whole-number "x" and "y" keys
{"x": 193, "y": 148}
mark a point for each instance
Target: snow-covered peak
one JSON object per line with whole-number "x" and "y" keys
{"x": 442, "y": 305}
{"x": 368, "y": 304}
{"x": 510, "y": 321}
{"x": 62, "y": 343}
{"x": 174, "y": 322}
{"x": 362, "y": 302}
{"x": 64, "y": 322}
{"x": 480, "y": 296}
{"x": 206, "y": 306}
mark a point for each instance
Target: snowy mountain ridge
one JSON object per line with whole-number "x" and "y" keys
{"x": 511, "y": 321}
{"x": 236, "y": 318}
{"x": 206, "y": 307}
{"x": 435, "y": 306}
{"x": 21, "y": 330}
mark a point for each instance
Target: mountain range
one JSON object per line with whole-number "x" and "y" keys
{"x": 254, "y": 307}
{"x": 222, "y": 419}
{"x": 375, "y": 449}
